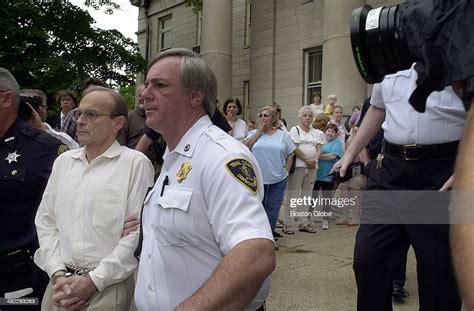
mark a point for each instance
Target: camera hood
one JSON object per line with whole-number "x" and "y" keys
{"x": 436, "y": 34}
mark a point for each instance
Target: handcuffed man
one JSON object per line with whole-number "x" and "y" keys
{"x": 79, "y": 221}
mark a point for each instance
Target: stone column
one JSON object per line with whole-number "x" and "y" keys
{"x": 216, "y": 43}
{"x": 340, "y": 75}
{"x": 262, "y": 55}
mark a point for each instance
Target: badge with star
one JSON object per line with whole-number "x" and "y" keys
{"x": 12, "y": 157}
{"x": 243, "y": 172}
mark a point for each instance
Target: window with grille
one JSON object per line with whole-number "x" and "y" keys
{"x": 165, "y": 32}
{"x": 313, "y": 72}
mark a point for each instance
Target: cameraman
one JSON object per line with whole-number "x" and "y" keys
{"x": 37, "y": 100}
{"x": 418, "y": 154}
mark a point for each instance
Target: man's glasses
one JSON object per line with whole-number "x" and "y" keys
{"x": 90, "y": 115}
{"x": 263, "y": 115}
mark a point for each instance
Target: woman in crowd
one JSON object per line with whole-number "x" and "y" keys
{"x": 353, "y": 120}
{"x": 320, "y": 123}
{"x": 336, "y": 119}
{"x": 331, "y": 152}
{"x": 281, "y": 120}
{"x": 250, "y": 125}
{"x": 272, "y": 148}
{"x": 232, "y": 109}
{"x": 308, "y": 143}
{"x": 316, "y": 105}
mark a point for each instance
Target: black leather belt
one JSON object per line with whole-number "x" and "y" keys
{"x": 14, "y": 261}
{"x": 420, "y": 152}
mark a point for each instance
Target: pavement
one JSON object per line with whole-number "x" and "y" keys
{"x": 314, "y": 272}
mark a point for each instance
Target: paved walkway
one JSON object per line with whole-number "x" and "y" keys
{"x": 314, "y": 272}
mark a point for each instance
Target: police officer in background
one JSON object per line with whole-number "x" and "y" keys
{"x": 418, "y": 154}
{"x": 26, "y": 159}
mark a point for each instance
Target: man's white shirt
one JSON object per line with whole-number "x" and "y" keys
{"x": 81, "y": 216}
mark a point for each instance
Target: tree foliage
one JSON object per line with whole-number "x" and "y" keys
{"x": 128, "y": 93}
{"x": 53, "y": 46}
{"x": 107, "y": 5}
{"x": 195, "y": 5}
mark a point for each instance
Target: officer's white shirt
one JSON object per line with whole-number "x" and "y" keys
{"x": 442, "y": 122}
{"x": 196, "y": 222}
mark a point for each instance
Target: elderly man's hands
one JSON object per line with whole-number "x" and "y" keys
{"x": 73, "y": 293}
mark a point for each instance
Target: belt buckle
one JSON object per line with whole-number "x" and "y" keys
{"x": 406, "y": 152}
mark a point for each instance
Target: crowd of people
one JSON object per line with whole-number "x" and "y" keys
{"x": 181, "y": 171}
{"x": 298, "y": 162}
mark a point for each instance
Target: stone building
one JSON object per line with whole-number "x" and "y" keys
{"x": 264, "y": 51}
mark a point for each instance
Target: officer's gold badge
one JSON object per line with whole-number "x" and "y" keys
{"x": 243, "y": 172}
{"x": 183, "y": 171}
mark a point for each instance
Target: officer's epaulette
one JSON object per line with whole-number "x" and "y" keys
{"x": 221, "y": 138}
{"x": 40, "y": 136}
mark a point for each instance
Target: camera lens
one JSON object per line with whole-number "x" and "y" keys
{"x": 378, "y": 42}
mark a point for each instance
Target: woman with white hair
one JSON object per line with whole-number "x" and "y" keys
{"x": 308, "y": 142}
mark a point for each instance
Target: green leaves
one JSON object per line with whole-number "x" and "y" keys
{"x": 108, "y": 5}
{"x": 196, "y": 5}
{"x": 53, "y": 46}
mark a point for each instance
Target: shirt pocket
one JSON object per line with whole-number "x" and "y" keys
{"x": 108, "y": 215}
{"x": 396, "y": 88}
{"x": 174, "y": 220}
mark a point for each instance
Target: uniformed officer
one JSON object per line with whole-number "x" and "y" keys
{"x": 207, "y": 241}
{"x": 26, "y": 159}
{"x": 418, "y": 154}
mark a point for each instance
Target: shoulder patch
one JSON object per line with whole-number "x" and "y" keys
{"x": 243, "y": 172}
{"x": 62, "y": 148}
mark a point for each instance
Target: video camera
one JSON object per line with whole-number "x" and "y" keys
{"x": 24, "y": 111}
{"x": 436, "y": 34}
{"x": 355, "y": 169}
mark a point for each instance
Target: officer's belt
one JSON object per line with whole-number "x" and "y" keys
{"x": 14, "y": 261}
{"x": 77, "y": 271}
{"x": 421, "y": 152}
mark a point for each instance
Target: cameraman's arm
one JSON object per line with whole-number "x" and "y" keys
{"x": 144, "y": 143}
{"x": 370, "y": 126}
{"x": 462, "y": 228}
{"x": 35, "y": 120}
